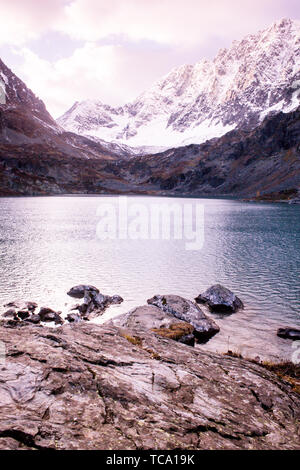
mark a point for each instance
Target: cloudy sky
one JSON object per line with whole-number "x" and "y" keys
{"x": 69, "y": 50}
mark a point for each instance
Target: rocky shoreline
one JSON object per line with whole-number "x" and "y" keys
{"x": 136, "y": 382}
{"x": 169, "y": 316}
{"x": 290, "y": 196}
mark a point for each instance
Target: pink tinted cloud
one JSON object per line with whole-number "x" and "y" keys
{"x": 112, "y": 74}
{"x": 143, "y": 40}
{"x": 22, "y": 20}
{"x": 170, "y": 21}
{"x": 166, "y": 21}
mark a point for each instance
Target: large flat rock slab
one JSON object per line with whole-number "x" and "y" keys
{"x": 85, "y": 386}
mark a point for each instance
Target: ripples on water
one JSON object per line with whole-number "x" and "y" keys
{"x": 49, "y": 244}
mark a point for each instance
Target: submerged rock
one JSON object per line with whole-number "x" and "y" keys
{"x": 87, "y": 386}
{"x": 115, "y": 299}
{"x": 289, "y": 333}
{"x": 13, "y": 304}
{"x": 220, "y": 299}
{"x": 22, "y": 305}
{"x": 150, "y": 318}
{"x": 183, "y": 309}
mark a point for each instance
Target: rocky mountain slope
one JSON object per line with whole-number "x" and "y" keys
{"x": 15, "y": 96}
{"x": 241, "y": 163}
{"x": 36, "y": 154}
{"x": 38, "y": 157}
{"x": 88, "y": 386}
{"x": 254, "y": 78}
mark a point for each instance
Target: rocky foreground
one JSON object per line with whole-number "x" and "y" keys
{"x": 87, "y": 386}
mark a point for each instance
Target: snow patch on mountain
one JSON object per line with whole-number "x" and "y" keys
{"x": 257, "y": 76}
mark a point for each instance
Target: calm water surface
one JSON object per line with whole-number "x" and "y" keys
{"x": 49, "y": 244}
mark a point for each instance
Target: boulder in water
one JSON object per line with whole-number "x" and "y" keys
{"x": 289, "y": 333}
{"x": 23, "y": 314}
{"x": 94, "y": 303}
{"x": 47, "y": 315}
{"x": 187, "y": 311}
{"x": 13, "y": 304}
{"x": 220, "y": 299}
{"x": 78, "y": 292}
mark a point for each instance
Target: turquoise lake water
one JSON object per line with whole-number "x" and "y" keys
{"x": 49, "y": 244}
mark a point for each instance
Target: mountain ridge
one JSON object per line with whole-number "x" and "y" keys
{"x": 36, "y": 154}
{"x": 38, "y": 157}
{"x": 257, "y": 76}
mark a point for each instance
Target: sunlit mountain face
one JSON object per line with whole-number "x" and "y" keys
{"x": 250, "y": 90}
{"x": 254, "y": 78}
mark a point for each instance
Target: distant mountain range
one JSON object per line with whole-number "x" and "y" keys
{"x": 255, "y": 93}
{"x": 256, "y": 77}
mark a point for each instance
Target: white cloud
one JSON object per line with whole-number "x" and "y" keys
{"x": 112, "y": 74}
{"x": 143, "y": 40}
{"x": 87, "y": 73}
{"x": 166, "y": 21}
{"x": 24, "y": 20}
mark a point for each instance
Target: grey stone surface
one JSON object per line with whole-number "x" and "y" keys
{"x": 149, "y": 318}
{"x": 183, "y": 309}
{"x": 220, "y": 299}
{"x": 87, "y": 386}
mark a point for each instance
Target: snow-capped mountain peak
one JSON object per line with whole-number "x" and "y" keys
{"x": 256, "y": 76}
